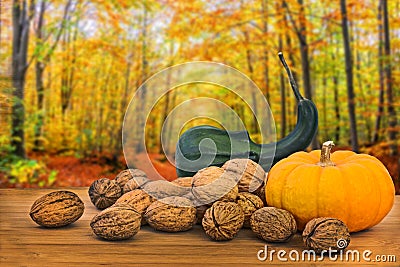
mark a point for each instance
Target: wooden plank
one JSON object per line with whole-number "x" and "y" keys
{"x": 23, "y": 243}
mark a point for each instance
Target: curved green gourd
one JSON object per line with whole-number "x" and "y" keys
{"x": 216, "y": 144}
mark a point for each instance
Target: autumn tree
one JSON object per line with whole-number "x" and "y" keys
{"x": 389, "y": 81}
{"x": 91, "y": 56}
{"x": 381, "y": 100}
{"x": 349, "y": 76}
{"x": 44, "y": 49}
{"x": 282, "y": 82}
{"x": 22, "y": 13}
{"x": 300, "y": 29}
{"x": 144, "y": 71}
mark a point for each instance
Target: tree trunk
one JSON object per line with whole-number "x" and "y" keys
{"x": 41, "y": 64}
{"x": 170, "y": 124}
{"x": 164, "y": 116}
{"x": 142, "y": 123}
{"x": 335, "y": 81}
{"x": 68, "y": 73}
{"x": 336, "y": 103}
{"x": 39, "y": 71}
{"x": 166, "y": 106}
{"x": 21, "y": 18}
{"x": 362, "y": 95}
{"x": 349, "y": 77}
{"x": 254, "y": 123}
{"x": 264, "y": 6}
{"x": 325, "y": 134}
{"x": 392, "y": 131}
{"x": 305, "y": 66}
{"x": 265, "y": 55}
{"x": 101, "y": 111}
{"x": 283, "y": 95}
{"x": 381, "y": 76}
{"x": 124, "y": 103}
{"x": 305, "y": 63}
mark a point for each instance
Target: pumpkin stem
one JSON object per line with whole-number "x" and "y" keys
{"x": 325, "y": 159}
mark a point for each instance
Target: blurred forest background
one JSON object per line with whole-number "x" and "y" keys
{"x": 68, "y": 69}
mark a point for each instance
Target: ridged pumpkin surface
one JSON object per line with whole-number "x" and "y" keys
{"x": 358, "y": 190}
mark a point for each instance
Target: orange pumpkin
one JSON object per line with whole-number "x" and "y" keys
{"x": 355, "y": 188}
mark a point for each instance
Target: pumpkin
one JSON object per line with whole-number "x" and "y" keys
{"x": 354, "y": 188}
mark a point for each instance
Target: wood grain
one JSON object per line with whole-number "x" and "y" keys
{"x": 23, "y": 243}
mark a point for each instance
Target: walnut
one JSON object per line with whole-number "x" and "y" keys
{"x": 187, "y": 183}
{"x": 200, "y": 211}
{"x": 249, "y": 204}
{"x": 223, "y": 220}
{"x": 57, "y": 209}
{"x": 326, "y": 234}
{"x": 116, "y": 223}
{"x": 260, "y": 192}
{"x": 137, "y": 199}
{"x": 183, "y": 181}
{"x": 160, "y": 189}
{"x": 171, "y": 214}
{"x": 104, "y": 192}
{"x": 135, "y": 183}
{"x": 126, "y": 175}
{"x": 249, "y": 174}
{"x": 212, "y": 184}
{"x": 273, "y": 224}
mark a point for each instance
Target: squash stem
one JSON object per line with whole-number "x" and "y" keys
{"x": 325, "y": 159}
{"x": 292, "y": 81}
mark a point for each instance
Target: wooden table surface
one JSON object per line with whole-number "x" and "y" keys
{"x": 23, "y": 243}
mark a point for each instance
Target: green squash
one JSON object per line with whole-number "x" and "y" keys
{"x": 204, "y": 146}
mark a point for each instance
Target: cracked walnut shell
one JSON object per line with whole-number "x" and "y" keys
{"x": 171, "y": 214}
{"x": 104, "y": 192}
{"x": 273, "y": 225}
{"x": 223, "y": 220}
{"x": 325, "y": 234}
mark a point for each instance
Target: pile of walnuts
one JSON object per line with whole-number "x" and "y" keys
{"x": 223, "y": 200}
